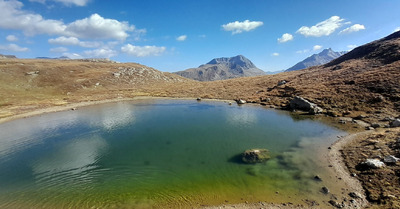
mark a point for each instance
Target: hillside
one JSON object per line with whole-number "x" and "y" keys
{"x": 321, "y": 58}
{"x": 38, "y": 83}
{"x": 222, "y": 69}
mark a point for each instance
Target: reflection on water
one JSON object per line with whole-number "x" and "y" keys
{"x": 70, "y": 163}
{"x": 156, "y": 152}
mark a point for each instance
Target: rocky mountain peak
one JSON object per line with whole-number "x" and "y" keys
{"x": 321, "y": 58}
{"x": 238, "y": 60}
{"x": 223, "y": 68}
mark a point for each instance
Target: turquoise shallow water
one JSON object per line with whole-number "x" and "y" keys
{"x": 154, "y": 153}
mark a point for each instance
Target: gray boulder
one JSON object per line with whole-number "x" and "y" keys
{"x": 302, "y": 104}
{"x": 253, "y": 156}
{"x": 373, "y": 163}
{"x": 395, "y": 123}
{"x": 390, "y": 159}
{"x": 241, "y": 101}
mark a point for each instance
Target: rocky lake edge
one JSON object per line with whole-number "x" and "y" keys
{"x": 354, "y": 192}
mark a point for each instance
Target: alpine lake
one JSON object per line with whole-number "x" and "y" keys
{"x": 159, "y": 153}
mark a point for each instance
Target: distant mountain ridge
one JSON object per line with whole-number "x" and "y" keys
{"x": 222, "y": 69}
{"x": 321, "y": 58}
{"x": 3, "y": 56}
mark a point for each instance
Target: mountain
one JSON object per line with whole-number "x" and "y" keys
{"x": 323, "y": 57}
{"x": 2, "y": 56}
{"x": 222, "y": 69}
{"x": 56, "y": 58}
{"x": 385, "y": 51}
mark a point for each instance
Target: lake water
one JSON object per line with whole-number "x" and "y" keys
{"x": 160, "y": 154}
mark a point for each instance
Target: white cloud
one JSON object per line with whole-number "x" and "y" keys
{"x": 73, "y": 55}
{"x": 142, "y": 51}
{"x": 12, "y": 17}
{"x": 324, "y": 28}
{"x": 66, "y": 2}
{"x": 285, "y": 38}
{"x": 100, "y": 53}
{"x": 99, "y": 28}
{"x": 239, "y": 27}
{"x": 317, "y": 47}
{"x": 396, "y": 29}
{"x": 94, "y": 27}
{"x": 302, "y": 51}
{"x": 11, "y": 38}
{"x": 62, "y": 40}
{"x": 13, "y": 48}
{"x": 275, "y": 54}
{"x": 353, "y": 28}
{"x": 58, "y": 50}
{"x": 181, "y": 38}
{"x": 352, "y": 46}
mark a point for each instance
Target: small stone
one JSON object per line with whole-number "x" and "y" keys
{"x": 280, "y": 83}
{"x": 370, "y": 128}
{"x": 325, "y": 190}
{"x": 375, "y": 125}
{"x": 390, "y": 159}
{"x": 353, "y": 174}
{"x": 395, "y": 123}
{"x": 198, "y": 99}
{"x": 317, "y": 178}
{"x": 73, "y": 108}
{"x": 230, "y": 103}
{"x": 354, "y": 195}
{"x": 241, "y": 101}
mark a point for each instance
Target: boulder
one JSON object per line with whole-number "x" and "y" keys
{"x": 253, "y": 156}
{"x": 372, "y": 163}
{"x": 283, "y": 82}
{"x": 390, "y": 159}
{"x": 302, "y": 104}
{"x": 395, "y": 123}
{"x": 241, "y": 101}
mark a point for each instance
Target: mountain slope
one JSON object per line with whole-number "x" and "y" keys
{"x": 222, "y": 69}
{"x": 385, "y": 50}
{"x": 321, "y": 58}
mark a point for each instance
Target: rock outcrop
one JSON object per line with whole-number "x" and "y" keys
{"x": 253, "y": 156}
{"x": 299, "y": 103}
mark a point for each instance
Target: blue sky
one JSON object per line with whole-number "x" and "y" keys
{"x": 173, "y": 35}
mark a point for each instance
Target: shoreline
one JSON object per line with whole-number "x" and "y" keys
{"x": 334, "y": 155}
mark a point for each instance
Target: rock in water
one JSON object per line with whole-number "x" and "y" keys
{"x": 253, "y": 156}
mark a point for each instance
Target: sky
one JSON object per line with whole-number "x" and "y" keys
{"x": 174, "y": 35}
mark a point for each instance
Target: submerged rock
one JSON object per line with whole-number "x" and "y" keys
{"x": 253, "y": 156}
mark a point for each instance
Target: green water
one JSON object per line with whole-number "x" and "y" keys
{"x": 158, "y": 154}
